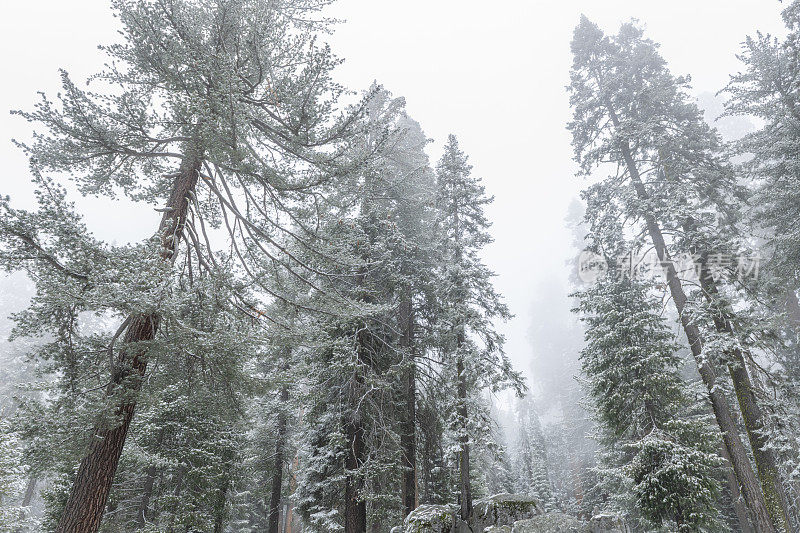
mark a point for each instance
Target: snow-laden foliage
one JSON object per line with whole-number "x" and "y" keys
{"x": 670, "y": 182}
{"x": 310, "y": 339}
{"x": 661, "y": 457}
{"x": 14, "y": 474}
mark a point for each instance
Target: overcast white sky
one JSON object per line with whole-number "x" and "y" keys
{"x": 493, "y": 73}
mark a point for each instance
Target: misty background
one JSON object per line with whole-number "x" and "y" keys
{"x": 491, "y": 73}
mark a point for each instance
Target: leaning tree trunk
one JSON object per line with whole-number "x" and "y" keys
{"x": 30, "y": 490}
{"x": 736, "y": 500}
{"x": 753, "y": 415}
{"x": 408, "y": 437}
{"x": 87, "y": 498}
{"x": 751, "y": 489}
{"x": 465, "y": 488}
{"x": 277, "y": 471}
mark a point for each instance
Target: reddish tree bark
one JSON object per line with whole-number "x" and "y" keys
{"x": 87, "y": 498}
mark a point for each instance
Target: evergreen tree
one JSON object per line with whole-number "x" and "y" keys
{"x": 471, "y": 347}
{"x": 14, "y": 514}
{"x": 656, "y": 456}
{"x": 530, "y": 465}
{"x": 236, "y": 92}
{"x": 768, "y": 89}
{"x": 367, "y": 359}
{"x": 630, "y": 111}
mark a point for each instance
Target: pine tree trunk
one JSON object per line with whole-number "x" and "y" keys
{"x": 408, "y": 437}
{"x": 219, "y": 512}
{"x": 736, "y": 496}
{"x": 179, "y": 481}
{"x": 277, "y": 473}
{"x": 465, "y": 497}
{"x": 30, "y": 490}
{"x": 147, "y": 492}
{"x": 355, "y": 507}
{"x": 292, "y": 487}
{"x": 719, "y": 403}
{"x": 292, "y": 484}
{"x": 87, "y": 498}
{"x": 427, "y": 462}
{"x": 766, "y": 463}
{"x": 793, "y": 308}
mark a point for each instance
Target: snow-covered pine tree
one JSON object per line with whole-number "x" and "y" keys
{"x": 472, "y": 350}
{"x": 672, "y": 180}
{"x": 769, "y": 88}
{"x": 238, "y": 93}
{"x": 367, "y": 355}
{"x": 14, "y": 476}
{"x": 660, "y": 462}
{"x": 189, "y": 428}
{"x": 413, "y": 282}
{"x": 530, "y": 455}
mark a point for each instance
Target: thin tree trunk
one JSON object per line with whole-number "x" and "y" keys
{"x": 408, "y": 437}
{"x": 462, "y": 293}
{"x": 293, "y": 482}
{"x": 277, "y": 471}
{"x": 30, "y": 490}
{"x": 464, "y": 483}
{"x": 219, "y": 513}
{"x": 793, "y": 307}
{"x": 766, "y": 463}
{"x": 719, "y": 403}
{"x": 355, "y": 507}
{"x": 179, "y": 481}
{"x": 147, "y": 490}
{"x": 427, "y": 462}
{"x": 87, "y": 498}
{"x": 177, "y": 491}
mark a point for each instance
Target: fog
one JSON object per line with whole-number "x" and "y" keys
{"x": 494, "y": 76}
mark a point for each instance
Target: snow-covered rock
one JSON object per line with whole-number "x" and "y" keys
{"x": 550, "y": 523}
{"x": 607, "y": 523}
{"x": 504, "y": 510}
{"x": 430, "y": 519}
{"x": 498, "y": 529}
